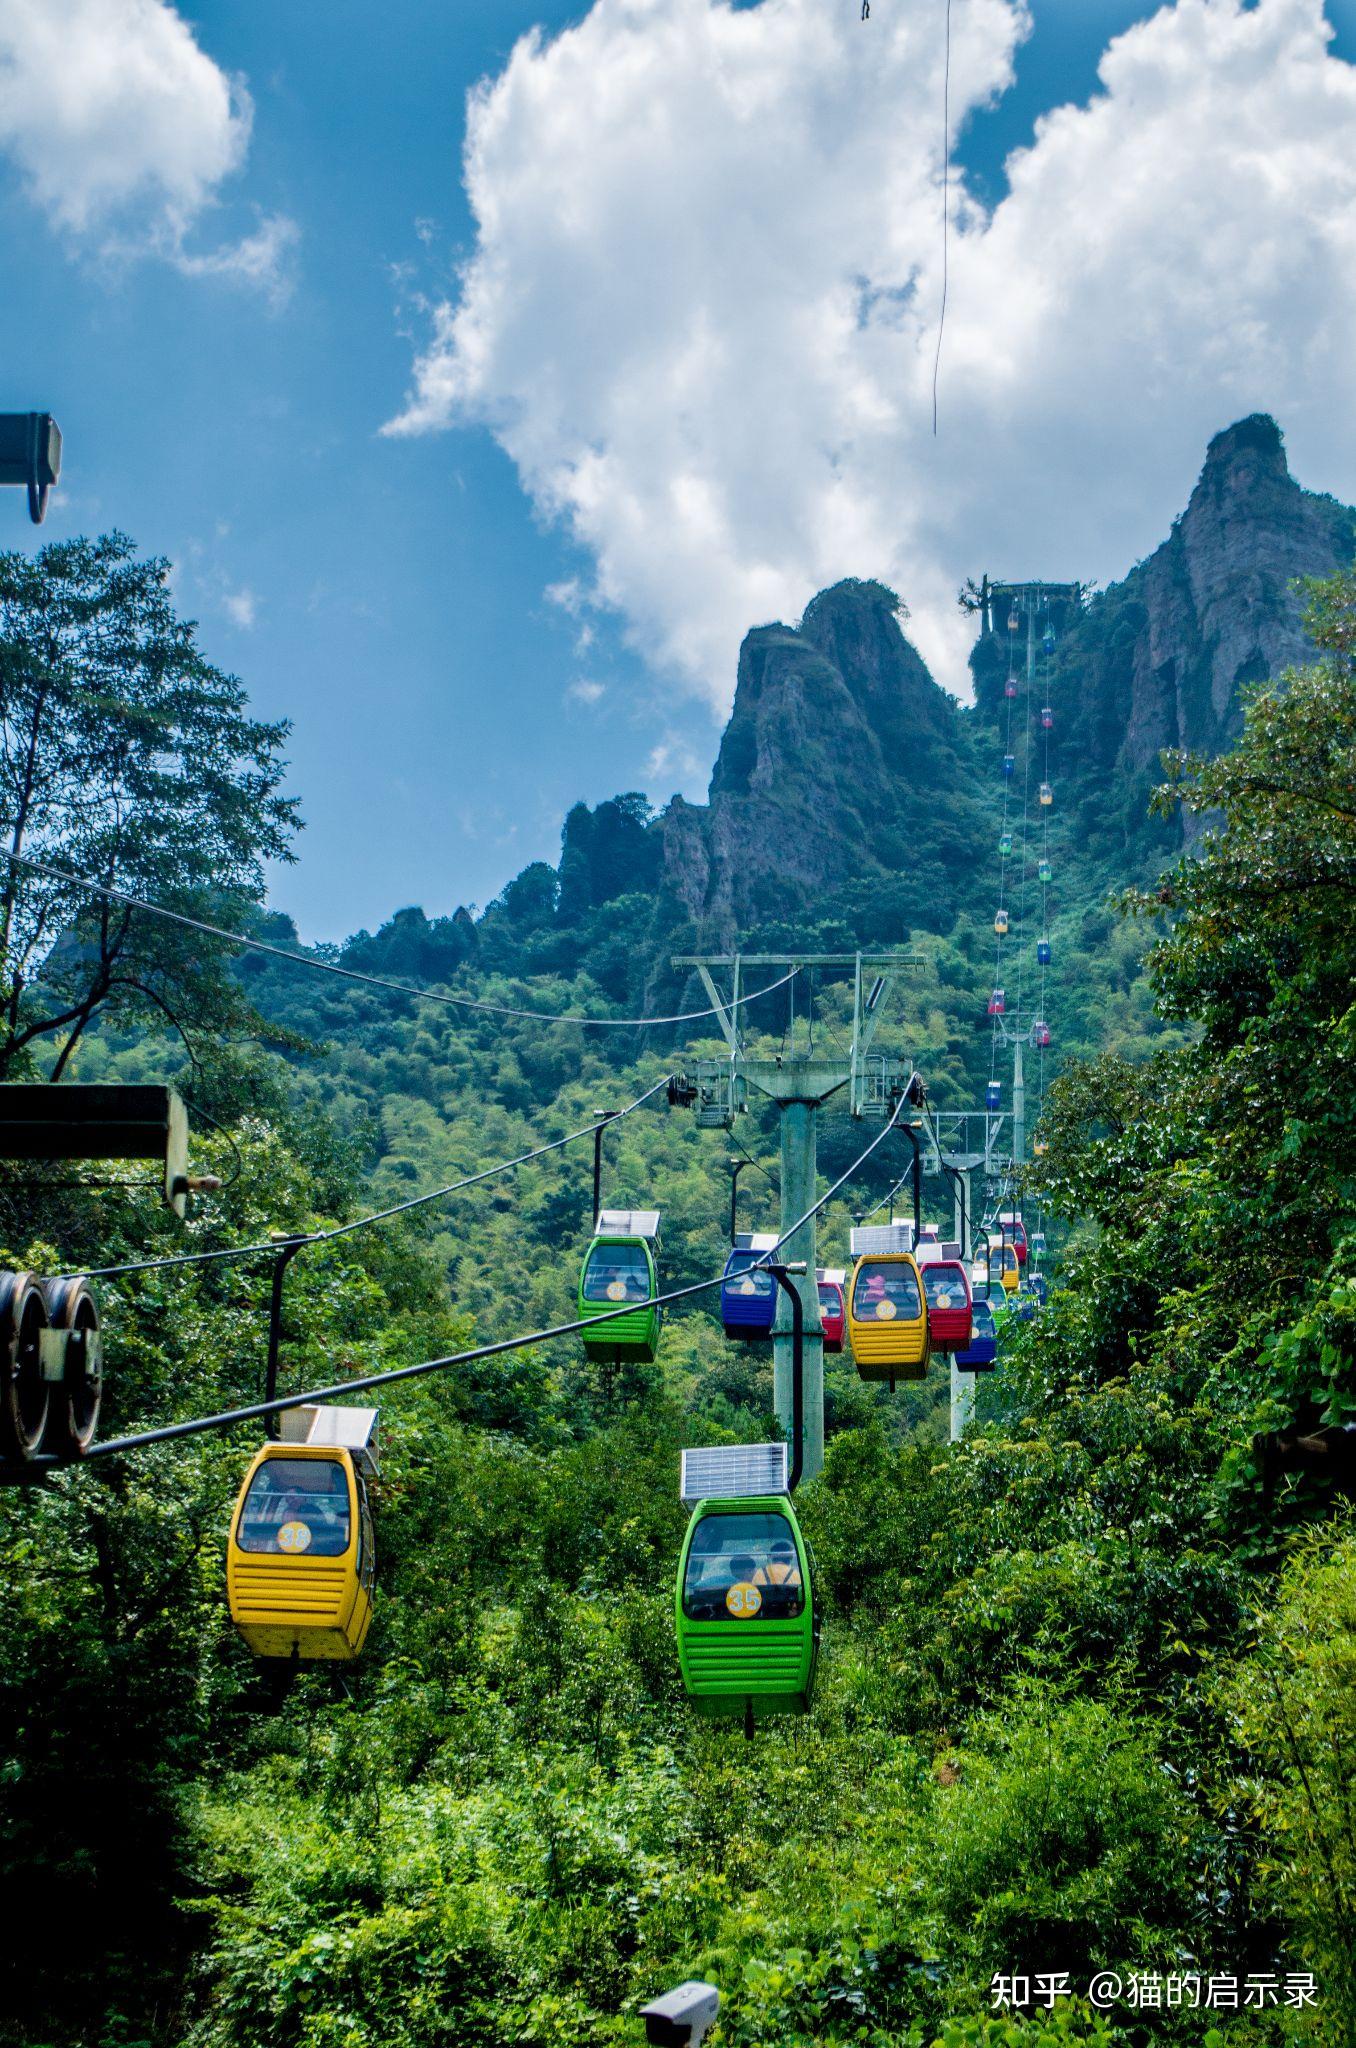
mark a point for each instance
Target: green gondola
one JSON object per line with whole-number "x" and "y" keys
{"x": 620, "y": 1267}
{"x": 748, "y": 1627}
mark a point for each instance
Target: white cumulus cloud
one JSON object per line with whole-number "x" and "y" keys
{"x": 122, "y": 127}
{"x": 701, "y": 309}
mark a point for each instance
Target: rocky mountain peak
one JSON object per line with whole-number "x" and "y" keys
{"x": 1160, "y": 659}
{"x": 837, "y": 720}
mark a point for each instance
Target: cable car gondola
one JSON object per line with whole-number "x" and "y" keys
{"x": 619, "y": 1268}
{"x": 993, "y": 1095}
{"x": 1047, "y": 718}
{"x": 1042, "y": 952}
{"x": 1040, "y": 1034}
{"x": 947, "y": 1293}
{"x": 1010, "y": 687}
{"x": 1009, "y": 765}
{"x": 1004, "y": 1269}
{"x": 997, "y": 1003}
{"x": 831, "y": 1310}
{"x": 1044, "y": 871}
{"x": 1045, "y": 794}
{"x": 1000, "y": 922}
{"x": 1011, "y": 1226}
{"x": 981, "y": 1353}
{"x": 887, "y": 1313}
{"x": 747, "y": 1625}
{"x": 748, "y": 1292}
{"x": 301, "y": 1561}
{"x": 1005, "y": 844}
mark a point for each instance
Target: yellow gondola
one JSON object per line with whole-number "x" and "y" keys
{"x": 887, "y": 1314}
{"x": 1004, "y": 1268}
{"x": 302, "y": 1562}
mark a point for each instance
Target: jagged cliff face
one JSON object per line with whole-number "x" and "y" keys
{"x": 842, "y": 760}
{"x": 1158, "y": 660}
{"x": 850, "y": 793}
{"x": 845, "y": 767}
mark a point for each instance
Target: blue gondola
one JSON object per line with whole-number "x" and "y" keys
{"x": 993, "y": 1095}
{"x": 1042, "y": 952}
{"x": 981, "y": 1353}
{"x": 748, "y": 1294}
{"x": 1009, "y": 765}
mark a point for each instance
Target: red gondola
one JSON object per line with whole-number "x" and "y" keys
{"x": 997, "y": 1003}
{"x": 1040, "y": 1033}
{"x": 1047, "y": 718}
{"x": 831, "y": 1282}
{"x": 948, "y": 1297}
{"x": 1013, "y": 1231}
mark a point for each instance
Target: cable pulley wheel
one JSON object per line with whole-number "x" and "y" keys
{"x": 73, "y": 1412}
{"x": 24, "y": 1389}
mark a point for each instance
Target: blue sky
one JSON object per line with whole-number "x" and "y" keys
{"x": 388, "y": 593}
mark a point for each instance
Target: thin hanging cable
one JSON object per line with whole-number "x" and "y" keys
{"x": 1045, "y": 892}
{"x": 1009, "y": 689}
{"x": 300, "y": 1239}
{"x": 258, "y": 1410}
{"x": 946, "y": 198}
{"x": 1027, "y": 750}
{"x": 427, "y": 995}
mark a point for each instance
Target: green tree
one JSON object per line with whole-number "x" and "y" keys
{"x": 126, "y": 756}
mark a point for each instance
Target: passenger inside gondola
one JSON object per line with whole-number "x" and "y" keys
{"x": 781, "y": 1568}
{"x": 746, "y": 1278}
{"x": 735, "y": 1552}
{"x": 885, "y": 1290}
{"x": 944, "y": 1286}
{"x": 617, "y": 1272}
{"x": 296, "y": 1507}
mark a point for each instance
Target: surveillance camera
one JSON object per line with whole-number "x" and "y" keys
{"x": 680, "y": 2018}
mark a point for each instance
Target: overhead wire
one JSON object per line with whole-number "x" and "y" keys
{"x": 1045, "y": 875}
{"x": 946, "y": 208}
{"x": 298, "y": 1240}
{"x": 428, "y": 995}
{"x": 258, "y": 1411}
{"x": 1009, "y": 697}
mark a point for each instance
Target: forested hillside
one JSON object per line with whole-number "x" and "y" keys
{"x": 1086, "y": 1699}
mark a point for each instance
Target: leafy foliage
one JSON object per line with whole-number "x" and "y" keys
{"x": 1084, "y": 1705}
{"x": 126, "y": 756}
